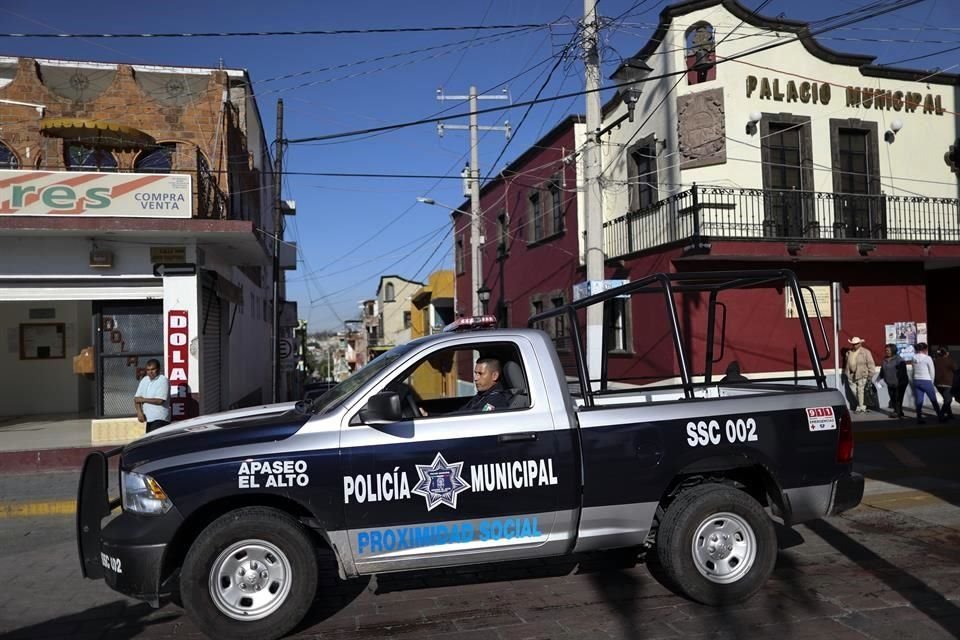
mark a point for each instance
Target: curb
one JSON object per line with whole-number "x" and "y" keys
{"x": 44, "y": 460}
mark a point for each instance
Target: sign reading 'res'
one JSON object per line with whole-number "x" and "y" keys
{"x": 178, "y": 362}
{"x": 84, "y": 193}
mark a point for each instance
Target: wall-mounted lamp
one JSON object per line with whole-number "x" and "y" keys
{"x": 865, "y": 248}
{"x": 629, "y": 77}
{"x": 895, "y": 127}
{"x": 755, "y": 117}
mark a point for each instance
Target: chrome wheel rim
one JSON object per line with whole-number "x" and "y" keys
{"x": 724, "y": 548}
{"x": 250, "y": 580}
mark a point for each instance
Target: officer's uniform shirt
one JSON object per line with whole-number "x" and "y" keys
{"x": 496, "y": 397}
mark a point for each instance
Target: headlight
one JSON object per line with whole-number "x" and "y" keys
{"x": 143, "y": 494}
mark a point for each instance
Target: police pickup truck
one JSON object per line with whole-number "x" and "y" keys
{"x": 226, "y": 513}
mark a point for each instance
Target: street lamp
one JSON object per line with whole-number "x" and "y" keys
{"x": 483, "y": 293}
{"x": 631, "y": 73}
{"x": 476, "y": 244}
{"x": 629, "y": 79}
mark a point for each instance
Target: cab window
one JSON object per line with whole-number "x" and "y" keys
{"x": 449, "y": 381}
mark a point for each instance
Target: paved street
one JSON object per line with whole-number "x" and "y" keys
{"x": 890, "y": 569}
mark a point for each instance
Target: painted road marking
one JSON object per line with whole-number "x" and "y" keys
{"x": 910, "y": 498}
{"x": 904, "y": 455}
{"x": 34, "y": 509}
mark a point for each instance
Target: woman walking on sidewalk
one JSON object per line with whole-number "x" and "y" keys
{"x": 893, "y": 373}
{"x": 944, "y": 371}
{"x": 923, "y": 374}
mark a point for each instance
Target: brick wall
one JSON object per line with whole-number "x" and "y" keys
{"x": 196, "y": 123}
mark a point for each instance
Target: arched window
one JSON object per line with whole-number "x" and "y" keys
{"x": 80, "y": 157}
{"x": 159, "y": 159}
{"x": 388, "y": 293}
{"x": 701, "y": 53}
{"x": 7, "y": 158}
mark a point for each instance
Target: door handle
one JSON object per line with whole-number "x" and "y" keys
{"x": 516, "y": 437}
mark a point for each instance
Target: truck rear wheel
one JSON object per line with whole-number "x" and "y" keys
{"x": 252, "y": 573}
{"x": 716, "y": 545}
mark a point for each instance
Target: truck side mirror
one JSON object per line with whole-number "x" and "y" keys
{"x": 382, "y": 408}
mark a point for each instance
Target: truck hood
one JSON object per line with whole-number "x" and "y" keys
{"x": 266, "y": 423}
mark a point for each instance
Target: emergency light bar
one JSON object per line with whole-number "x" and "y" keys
{"x": 471, "y": 323}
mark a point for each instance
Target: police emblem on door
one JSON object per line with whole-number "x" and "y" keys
{"x": 440, "y": 482}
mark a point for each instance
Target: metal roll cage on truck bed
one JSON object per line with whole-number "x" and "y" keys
{"x": 409, "y": 465}
{"x": 669, "y": 284}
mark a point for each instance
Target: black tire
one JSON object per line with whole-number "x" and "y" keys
{"x": 732, "y": 561}
{"x": 278, "y": 562}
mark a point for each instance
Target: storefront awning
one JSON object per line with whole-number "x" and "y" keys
{"x": 101, "y": 133}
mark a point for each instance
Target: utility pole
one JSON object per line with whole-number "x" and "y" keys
{"x": 593, "y": 196}
{"x": 476, "y": 216}
{"x": 277, "y": 232}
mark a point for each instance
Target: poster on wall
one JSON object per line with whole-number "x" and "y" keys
{"x": 905, "y": 335}
{"x": 42, "y": 341}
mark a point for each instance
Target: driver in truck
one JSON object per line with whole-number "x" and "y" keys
{"x": 490, "y": 392}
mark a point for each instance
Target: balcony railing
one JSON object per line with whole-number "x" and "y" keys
{"x": 211, "y": 201}
{"x": 719, "y": 212}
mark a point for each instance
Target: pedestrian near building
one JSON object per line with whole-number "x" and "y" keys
{"x": 944, "y": 372}
{"x": 893, "y": 373}
{"x": 923, "y": 376}
{"x": 152, "y": 401}
{"x": 860, "y": 369}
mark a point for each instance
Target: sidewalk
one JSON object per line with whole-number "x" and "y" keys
{"x": 30, "y": 444}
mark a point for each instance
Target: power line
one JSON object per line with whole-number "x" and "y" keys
{"x": 881, "y": 10}
{"x": 306, "y": 32}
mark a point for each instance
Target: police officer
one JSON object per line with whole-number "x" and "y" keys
{"x": 490, "y": 392}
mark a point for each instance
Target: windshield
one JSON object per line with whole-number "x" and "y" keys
{"x": 335, "y": 396}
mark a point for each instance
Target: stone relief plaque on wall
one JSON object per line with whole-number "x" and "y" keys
{"x": 701, "y": 129}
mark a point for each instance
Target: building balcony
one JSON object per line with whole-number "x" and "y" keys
{"x": 765, "y": 214}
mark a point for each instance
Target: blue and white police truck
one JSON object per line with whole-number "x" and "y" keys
{"x": 226, "y": 513}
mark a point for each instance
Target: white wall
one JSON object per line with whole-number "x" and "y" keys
{"x": 46, "y": 256}
{"x": 912, "y": 165}
{"x": 31, "y": 387}
{"x": 247, "y": 359}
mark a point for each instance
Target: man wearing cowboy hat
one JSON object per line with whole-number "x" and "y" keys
{"x": 860, "y": 369}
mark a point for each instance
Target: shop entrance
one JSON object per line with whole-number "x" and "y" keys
{"x": 127, "y": 335}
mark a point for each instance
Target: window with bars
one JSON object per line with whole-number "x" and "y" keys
{"x": 8, "y": 160}
{"x": 156, "y": 160}
{"x": 80, "y": 157}
{"x": 503, "y": 232}
{"x": 617, "y": 318}
{"x": 536, "y": 216}
{"x": 556, "y": 205}
{"x": 459, "y": 255}
{"x": 642, "y": 174}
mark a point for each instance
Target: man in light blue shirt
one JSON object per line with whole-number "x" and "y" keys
{"x": 152, "y": 401}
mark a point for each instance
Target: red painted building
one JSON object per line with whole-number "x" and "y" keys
{"x": 741, "y": 168}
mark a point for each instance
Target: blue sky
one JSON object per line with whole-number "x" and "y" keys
{"x": 350, "y": 230}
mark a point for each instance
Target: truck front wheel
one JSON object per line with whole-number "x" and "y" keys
{"x": 252, "y": 573}
{"x": 716, "y": 544}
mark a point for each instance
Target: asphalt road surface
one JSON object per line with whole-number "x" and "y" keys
{"x": 889, "y": 569}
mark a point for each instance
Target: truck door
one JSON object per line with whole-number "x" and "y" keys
{"x": 484, "y": 484}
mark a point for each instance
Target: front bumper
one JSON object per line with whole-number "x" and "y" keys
{"x": 847, "y": 493}
{"x": 129, "y": 552}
